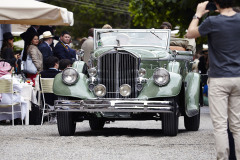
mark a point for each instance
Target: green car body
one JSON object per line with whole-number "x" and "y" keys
{"x": 159, "y": 84}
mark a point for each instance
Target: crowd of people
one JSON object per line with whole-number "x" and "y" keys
{"x": 47, "y": 58}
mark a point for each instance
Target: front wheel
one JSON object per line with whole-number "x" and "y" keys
{"x": 170, "y": 124}
{"x": 170, "y": 121}
{"x": 66, "y": 124}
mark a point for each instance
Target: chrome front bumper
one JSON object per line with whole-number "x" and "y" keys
{"x": 113, "y": 106}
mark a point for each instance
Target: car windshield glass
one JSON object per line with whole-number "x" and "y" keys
{"x": 139, "y": 38}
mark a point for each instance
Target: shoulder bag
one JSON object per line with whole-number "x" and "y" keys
{"x": 29, "y": 67}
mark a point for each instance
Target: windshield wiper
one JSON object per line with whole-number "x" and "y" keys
{"x": 155, "y": 35}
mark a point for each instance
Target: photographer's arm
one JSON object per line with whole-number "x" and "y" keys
{"x": 193, "y": 27}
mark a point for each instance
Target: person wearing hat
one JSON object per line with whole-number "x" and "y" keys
{"x": 36, "y": 56}
{"x": 33, "y": 29}
{"x": 45, "y": 47}
{"x": 6, "y": 73}
{"x": 7, "y": 49}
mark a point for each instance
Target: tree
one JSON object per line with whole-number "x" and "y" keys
{"x": 94, "y": 14}
{"x": 151, "y": 13}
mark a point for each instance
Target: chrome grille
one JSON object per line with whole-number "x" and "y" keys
{"x": 116, "y": 68}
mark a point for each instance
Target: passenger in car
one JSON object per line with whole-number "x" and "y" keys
{"x": 180, "y": 44}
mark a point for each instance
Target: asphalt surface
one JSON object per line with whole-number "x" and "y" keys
{"x": 121, "y": 140}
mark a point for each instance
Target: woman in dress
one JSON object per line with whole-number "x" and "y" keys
{"x": 36, "y": 56}
{"x": 7, "y": 52}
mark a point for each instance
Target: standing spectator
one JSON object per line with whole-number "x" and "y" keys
{"x": 36, "y": 55}
{"x": 45, "y": 48}
{"x": 50, "y": 28}
{"x": 62, "y": 48}
{"x": 7, "y": 49}
{"x": 203, "y": 66}
{"x": 203, "y": 62}
{"x": 205, "y": 95}
{"x": 87, "y": 46}
{"x": 33, "y": 29}
{"x": 224, "y": 74}
{"x": 82, "y": 40}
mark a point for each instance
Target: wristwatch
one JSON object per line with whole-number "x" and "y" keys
{"x": 196, "y": 17}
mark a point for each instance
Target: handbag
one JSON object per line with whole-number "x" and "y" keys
{"x": 29, "y": 67}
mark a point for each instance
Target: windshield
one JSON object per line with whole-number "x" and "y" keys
{"x": 132, "y": 37}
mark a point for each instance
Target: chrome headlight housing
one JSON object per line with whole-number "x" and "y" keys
{"x": 92, "y": 72}
{"x": 70, "y": 76}
{"x": 142, "y": 72}
{"x": 125, "y": 90}
{"x": 100, "y": 90}
{"x": 161, "y": 76}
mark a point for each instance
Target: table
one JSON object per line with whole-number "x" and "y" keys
{"x": 27, "y": 95}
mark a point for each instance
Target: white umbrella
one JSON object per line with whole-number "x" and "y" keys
{"x": 34, "y": 13}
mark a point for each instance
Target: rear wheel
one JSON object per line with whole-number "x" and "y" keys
{"x": 170, "y": 121}
{"x": 192, "y": 123}
{"x": 66, "y": 124}
{"x": 96, "y": 123}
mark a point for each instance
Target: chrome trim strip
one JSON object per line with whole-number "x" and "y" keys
{"x": 113, "y": 106}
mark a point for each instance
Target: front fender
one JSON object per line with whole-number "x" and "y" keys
{"x": 79, "y": 90}
{"x": 80, "y": 66}
{"x": 151, "y": 90}
{"x": 192, "y": 93}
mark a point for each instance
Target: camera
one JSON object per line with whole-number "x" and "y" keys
{"x": 211, "y": 6}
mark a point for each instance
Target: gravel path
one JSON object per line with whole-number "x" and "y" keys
{"x": 131, "y": 140}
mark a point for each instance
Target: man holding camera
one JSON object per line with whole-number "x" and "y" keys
{"x": 224, "y": 77}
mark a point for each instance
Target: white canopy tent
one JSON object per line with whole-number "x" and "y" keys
{"x": 31, "y": 12}
{"x": 34, "y": 13}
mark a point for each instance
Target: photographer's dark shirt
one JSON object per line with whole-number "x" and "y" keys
{"x": 224, "y": 44}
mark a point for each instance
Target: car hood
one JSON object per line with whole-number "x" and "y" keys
{"x": 143, "y": 53}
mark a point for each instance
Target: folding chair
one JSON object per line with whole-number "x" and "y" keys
{"x": 6, "y": 87}
{"x": 46, "y": 87}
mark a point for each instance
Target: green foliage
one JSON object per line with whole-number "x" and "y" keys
{"x": 94, "y": 14}
{"x": 151, "y": 13}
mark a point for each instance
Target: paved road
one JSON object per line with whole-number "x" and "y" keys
{"x": 120, "y": 140}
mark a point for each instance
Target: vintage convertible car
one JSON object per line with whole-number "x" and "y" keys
{"x": 132, "y": 75}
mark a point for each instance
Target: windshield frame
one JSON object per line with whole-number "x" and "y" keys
{"x": 167, "y": 33}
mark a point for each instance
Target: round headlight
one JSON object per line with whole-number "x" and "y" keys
{"x": 125, "y": 90}
{"x": 92, "y": 72}
{"x": 142, "y": 72}
{"x": 70, "y": 76}
{"x": 99, "y": 90}
{"x": 161, "y": 76}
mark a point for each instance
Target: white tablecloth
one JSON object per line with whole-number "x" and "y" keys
{"x": 28, "y": 95}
